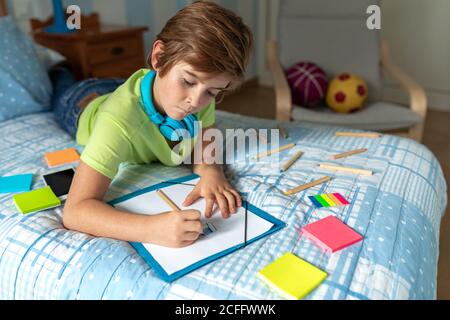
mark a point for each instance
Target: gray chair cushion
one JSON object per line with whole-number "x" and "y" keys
{"x": 374, "y": 116}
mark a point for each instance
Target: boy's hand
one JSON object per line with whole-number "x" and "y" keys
{"x": 214, "y": 187}
{"x": 177, "y": 228}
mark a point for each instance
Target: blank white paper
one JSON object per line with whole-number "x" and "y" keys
{"x": 230, "y": 232}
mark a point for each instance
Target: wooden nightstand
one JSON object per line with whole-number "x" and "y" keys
{"x": 96, "y": 50}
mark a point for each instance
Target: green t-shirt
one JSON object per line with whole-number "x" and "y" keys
{"x": 115, "y": 129}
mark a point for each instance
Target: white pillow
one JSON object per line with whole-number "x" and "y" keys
{"x": 48, "y": 56}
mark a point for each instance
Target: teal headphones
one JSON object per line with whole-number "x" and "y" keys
{"x": 171, "y": 129}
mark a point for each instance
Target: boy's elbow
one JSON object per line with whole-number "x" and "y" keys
{"x": 68, "y": 217}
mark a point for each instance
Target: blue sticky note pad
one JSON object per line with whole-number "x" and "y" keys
{"x": 17, "y": 183}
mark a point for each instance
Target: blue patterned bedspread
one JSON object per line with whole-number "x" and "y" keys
{"x": 398, "y": 211}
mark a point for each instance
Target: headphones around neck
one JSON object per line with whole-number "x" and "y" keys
{"x": 171, "y": 129}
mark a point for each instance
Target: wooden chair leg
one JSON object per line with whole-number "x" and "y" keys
{"x": 416, "y": 132}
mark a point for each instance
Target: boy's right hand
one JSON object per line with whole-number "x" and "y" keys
{"x": 176, "y": 228}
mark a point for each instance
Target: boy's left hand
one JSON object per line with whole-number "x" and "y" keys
{"x": 214, "y": 187}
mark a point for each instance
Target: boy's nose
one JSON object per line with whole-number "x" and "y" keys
{"x": 193, "y": 102}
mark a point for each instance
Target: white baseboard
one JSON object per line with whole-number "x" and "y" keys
{"x": 437, "y": 100}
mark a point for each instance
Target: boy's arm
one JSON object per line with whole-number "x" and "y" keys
{"x": 204, "y": 166}
{"x": 85, "y": 211}
{"x": 213, "y": 185}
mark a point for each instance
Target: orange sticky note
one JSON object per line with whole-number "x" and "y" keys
{"x": 60, "y": 157}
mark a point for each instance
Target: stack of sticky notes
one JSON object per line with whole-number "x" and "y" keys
{"x": 16, "y": 183}
{"x": 292, "y": 277}
{"x": 60, "y": 157}
{"x": 331, "y": 234}
{"x": 39, "y": 199}
{"x": 328, "y": 200}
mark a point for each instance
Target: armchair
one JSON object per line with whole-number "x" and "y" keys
{"x": 334, "y": 35}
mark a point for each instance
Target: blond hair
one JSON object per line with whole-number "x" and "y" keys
{"x": 207, "y": 36}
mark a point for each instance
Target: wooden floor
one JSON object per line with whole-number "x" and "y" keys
{"x": 257, "y": 101}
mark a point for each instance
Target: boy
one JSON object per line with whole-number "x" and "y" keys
{"x": 201, "y": 53}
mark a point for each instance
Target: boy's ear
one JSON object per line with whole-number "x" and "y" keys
{"x": 158, "y": 48}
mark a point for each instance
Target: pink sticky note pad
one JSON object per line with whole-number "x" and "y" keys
{"x": 331, "y": 234}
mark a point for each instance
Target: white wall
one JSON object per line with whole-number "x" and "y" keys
{"x": 419, "y": 35}
{"x": 112, "y": 11}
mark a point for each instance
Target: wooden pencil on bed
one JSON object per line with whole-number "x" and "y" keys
{"x": 283, "y": 132}
{"x": 348, "y": 153}
{"x": 291, "y": 161}
{"x": 345, "y": 169}
{"x": 268, "y": 153}
{"x": 262, "y": 137}
{"x": 358, "y": 134}
{"x": 307, "y": 185}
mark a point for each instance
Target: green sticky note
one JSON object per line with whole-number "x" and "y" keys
{"x": 36, "y": 200}
{"x": 292, "y": 277}
{"x": 328, "y": 200}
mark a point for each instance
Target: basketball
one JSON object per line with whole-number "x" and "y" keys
{"x": 308, "y": 83}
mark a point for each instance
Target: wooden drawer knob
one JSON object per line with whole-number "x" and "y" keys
{"x": 117, "y": 51}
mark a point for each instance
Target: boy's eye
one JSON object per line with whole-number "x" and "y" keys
{"x": 189, "y": 84}
{"x": 211, "y": 94}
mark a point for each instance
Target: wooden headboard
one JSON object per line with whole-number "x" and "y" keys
{"x": 3, "y": 11}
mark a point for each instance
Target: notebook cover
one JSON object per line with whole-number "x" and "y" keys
{"x": 331, "y": 234}
{"x": 16, "y": 183}
{"x": 36, "y": 200}
{"x": 277, "y": 225}
{"x": 292, "y": 277}
{"x": 61, "y": 157}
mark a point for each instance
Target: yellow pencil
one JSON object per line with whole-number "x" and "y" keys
{"x": 167, "y": 200}
{"x": 268, "y": 153}
{"x": 348, "y": 153}
{"x": 358, "y": 134}
{"x": 283, "y": 132}
{"x": 307, "y": 185}
{"x": 346, "y": 169}
{"x": 289, "y": 163}
{"x": 174, "y": 207}
{"x": 262, "y": 137}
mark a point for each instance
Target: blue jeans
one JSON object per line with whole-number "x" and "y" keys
{"x": 67, "y": 108}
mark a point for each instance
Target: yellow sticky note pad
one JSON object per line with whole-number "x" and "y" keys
{"x": 292, "y": 277}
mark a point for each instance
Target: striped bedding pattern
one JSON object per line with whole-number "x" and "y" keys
{"x": 397, "y": 211}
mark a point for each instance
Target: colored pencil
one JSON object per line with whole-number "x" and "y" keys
{"x": 167, "y": 200}
{"x": 283, "y": 132}
{"x": 348, "y": 153}
{"x": 307, "y": 185}
{"x": 358, "y": 134}
{"x": 294, "y": 158}
{"x": 345, "y": 169}
{"x": 268, "y": 153}
{"x": 262, "y": 137}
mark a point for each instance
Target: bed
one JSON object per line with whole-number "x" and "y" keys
{"x": 398, "y": 211}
